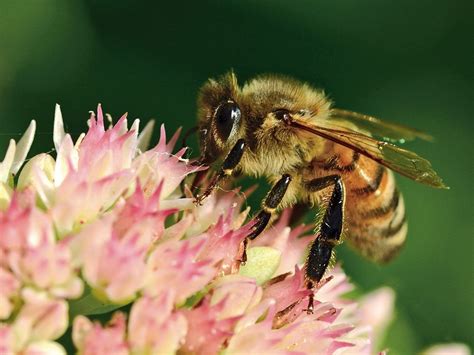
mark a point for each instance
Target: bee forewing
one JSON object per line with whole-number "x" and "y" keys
{"x": 393, "y": 157}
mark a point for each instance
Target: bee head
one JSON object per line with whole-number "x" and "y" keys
{"x": 219, "y": 116}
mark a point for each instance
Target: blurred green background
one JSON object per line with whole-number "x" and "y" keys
{"x": 407, "y": 61}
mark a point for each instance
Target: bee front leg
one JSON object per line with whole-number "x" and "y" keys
{"x": 230, "y": 163}
{"x": 330, "y": 231}
{"x": 269, "y": 205}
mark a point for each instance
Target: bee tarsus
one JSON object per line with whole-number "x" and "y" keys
{"x": 230, "y": 162}
{"x": 261, "y": 222}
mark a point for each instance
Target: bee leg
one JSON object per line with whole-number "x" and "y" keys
{"x": 230, "y": 162}
{"x": 269, "y": 205}
{"x": 330, "y": 232}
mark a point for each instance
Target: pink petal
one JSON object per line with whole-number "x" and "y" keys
{"x": 42, "y": 319}
{"x": 175, "y": 265}
{"x": 9, "y": 287}
{"x": 239, "y": 292}
{"x": 93, "y": 339}
{"x": 207, "y": 330}
{"x": 288, "y": 291}
{"x": 223, "y": 243}
{"x": 260, "y": 338}
{"x": 154, "y": 327}
{"x": 6, "y": 340}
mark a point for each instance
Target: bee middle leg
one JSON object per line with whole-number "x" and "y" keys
{"x": 269, "y": 206}
{"x": 330, "y": 231}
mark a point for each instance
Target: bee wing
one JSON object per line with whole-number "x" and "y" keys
{"x": 393, "y": 157}
{"x": 386, "y": 130}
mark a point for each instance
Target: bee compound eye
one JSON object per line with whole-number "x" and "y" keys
{"x": 227, "y": 117}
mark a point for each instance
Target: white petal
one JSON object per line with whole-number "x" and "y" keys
{"x": 79, "y": 141}
{"x": 145, "y": 136}
{"x": 135, "y": 125}
{"x": 67, "y": 156}
{"x": 5, "y": 195}
{"x": 58, "y": 132}
{"x": 135, "y": 128}
{"x": 43, "y": 161}
{"x": 44, "y": 186}
{"x": 123, "y": 127}
{"x": 110, "y": 121}
{"x": 45, "y": 347}
{"x": 23, "y": 147}
{"x": 7, "y": 162}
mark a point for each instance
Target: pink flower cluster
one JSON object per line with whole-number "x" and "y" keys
{"x": 105, "y": 225}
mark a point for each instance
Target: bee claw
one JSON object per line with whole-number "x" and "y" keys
{"x": 198, "y": 201}
{"x": 200, "y": 198}
{"x": 308, "y": 311}
{"x": 243, "y": 259}
{"x": 310, "y": 287}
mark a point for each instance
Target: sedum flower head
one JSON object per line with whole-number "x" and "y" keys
{"x": 103, "y": 228}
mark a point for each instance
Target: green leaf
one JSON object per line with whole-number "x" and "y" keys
{"x": 90, "y": 304}
{"x": 194, "y": 299}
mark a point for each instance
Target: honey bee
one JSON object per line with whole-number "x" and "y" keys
{"x": 312, "y": 153}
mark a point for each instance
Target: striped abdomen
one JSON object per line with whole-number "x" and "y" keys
{"x": 374, "y": 209}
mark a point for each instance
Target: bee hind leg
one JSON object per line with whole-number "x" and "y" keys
{"x": 269, "y": 205}
{"x": 329, "y": 234}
